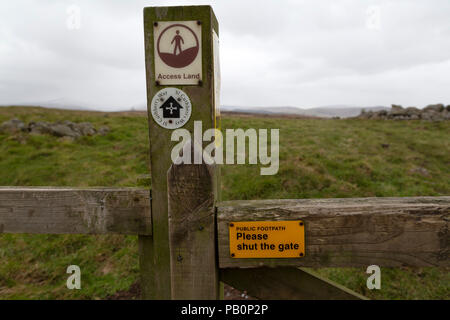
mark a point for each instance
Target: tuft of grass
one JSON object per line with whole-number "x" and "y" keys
{"x": 318, "y": 159}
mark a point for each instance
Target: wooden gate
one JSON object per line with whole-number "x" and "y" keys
{"x": 183, "y": 227}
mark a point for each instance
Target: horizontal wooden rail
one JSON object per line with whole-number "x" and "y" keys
{"x": 75, "y": 211}
{"x": 286, "y": 283}
{"x": 350, "y": 232}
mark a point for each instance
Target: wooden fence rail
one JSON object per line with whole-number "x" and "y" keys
{"x": 350, "y": 232}
{"x": 75, "y": 211}
{"x": 339, "y": 232}
{"x": 344, "y": 232}
{"x": 286, "y": 283}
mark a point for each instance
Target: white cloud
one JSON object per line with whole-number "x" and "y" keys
{"x": 277, "y": 52}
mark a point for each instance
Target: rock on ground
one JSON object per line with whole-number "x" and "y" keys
{"x": 58, "y": 129}
{"x": 12, "y": 126}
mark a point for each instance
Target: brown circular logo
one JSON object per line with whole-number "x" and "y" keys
{"x": 184, "y": 43}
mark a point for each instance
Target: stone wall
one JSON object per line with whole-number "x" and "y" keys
{"x": 432, "y": 112}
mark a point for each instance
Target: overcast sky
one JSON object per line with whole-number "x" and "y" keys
{"x": 273, "y": 52}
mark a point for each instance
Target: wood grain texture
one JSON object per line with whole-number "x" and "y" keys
{"x": 286, "y": 283}
{"x": 351, "y": 232}
{"x": 192, "y": 226}
{"x": 154, "y": 251}
{"x": 74, "y": 211}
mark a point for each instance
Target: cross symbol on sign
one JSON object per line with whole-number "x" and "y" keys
{"x": 171, "y": 108}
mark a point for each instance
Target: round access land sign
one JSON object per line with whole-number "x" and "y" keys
{"x": 178, "y": 45}
{"x": 171, "y": 108}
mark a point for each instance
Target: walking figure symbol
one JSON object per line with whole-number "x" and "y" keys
{"x": 182, "y": 46}
{"x": 177, "y": 39}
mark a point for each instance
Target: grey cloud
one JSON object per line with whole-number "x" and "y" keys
{"x": 277, "y": 52}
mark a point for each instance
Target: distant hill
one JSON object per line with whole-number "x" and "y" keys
{"x": 341, "y": 111}
{"x": 61, "y": 103}
{"x": 70, "y": 104}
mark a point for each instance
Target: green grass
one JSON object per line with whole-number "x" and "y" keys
{"x": 345, "y": 158}
{"x": 318, "y": 159}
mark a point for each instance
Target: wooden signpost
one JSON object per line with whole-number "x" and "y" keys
{"x": 178, "y": 48}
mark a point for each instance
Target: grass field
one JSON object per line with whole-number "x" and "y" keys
{"x": 318, "y": 159}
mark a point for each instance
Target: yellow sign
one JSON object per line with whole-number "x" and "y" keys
{"x": 267, "y": 239}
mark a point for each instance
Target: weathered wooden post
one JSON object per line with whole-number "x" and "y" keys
{"x": 182, "y": 87}
{"x": 192, "y": 230}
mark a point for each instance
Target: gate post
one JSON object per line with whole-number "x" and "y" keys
{"x": 192, "y": 231}
{"x": 179, "y": 55}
